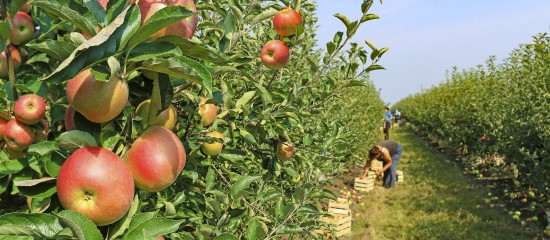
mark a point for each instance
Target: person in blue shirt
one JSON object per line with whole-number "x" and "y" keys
{"x": 387, "y": 123}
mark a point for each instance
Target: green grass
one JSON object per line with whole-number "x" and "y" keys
{"x": 435, "y": 201}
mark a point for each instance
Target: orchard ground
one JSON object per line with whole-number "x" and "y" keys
{"x": 435, "y": 201}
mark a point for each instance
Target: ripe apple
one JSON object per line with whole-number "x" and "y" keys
{"x": 275, "y": 54}
{"x": 41, "y": 135}
{"x": 166, "y": 118}
{"x": 184, "y": 28}
{"x": 69, "y": 119}
{"x": 22, "y": 28}
{"x": 284, "y": 150}
{"x": 207, "y": 111}
{"x": 96, "y": 183}
{"x": 18, "y": 136}
{"x": 103, "y": 3}
{"x": 156, "y": 159}
{"x": 215, "y": 148}
{"x": 26, "y": 7}
{"x": 29, "y": 109}
{"x": 3, "y": 123}
{"x": 15, "y": 61}
{"x": 286, "y": 21}
{"x": 97, "y": 101}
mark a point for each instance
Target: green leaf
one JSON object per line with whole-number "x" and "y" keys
{"x": 371, "y": 45}
{"x": 81, "y": 226}
{"x": 256, "y": 229}
{"x": 266, "y": 96}
{"x": 338, "y": 37}
{"x": 154, "y": 227}
{"x": 63, "y": 10}
{"x": 73, "y": 140}
{"x": 263, "y": 16}
{"x": 369, "y": 17}
{"x": 247, "y": 137}
{"x": 324, "y": 193}
{"x": 121, "y": 225}
{"x": 331, "y": 47}
{"x": 244, "y": 99}
{"x": 145, "y": 51}
{"x": 106, "y": 43}
{"x": 210, "y": 179}
{"x": 161, "y": 19}
{"x": 291, "y": 172}
{"x": 139, "y": 219}
{"x": 226, "y": 236}
{"x": 356, "y": 83}
{"x": 266, "y": 196}
{"x": 374, "y": 67}
{"x": 8, "y": 166}
{"x": 183, "y": 67}
{"x": 242, "y": 183}
{"x": 37, "y": 188}
{"x": 290, "y": 228}
{"x": 56, "y": 49}
{"x": 96, "y": 9}
{"x": 5, "y": 30}
{"x": 42, "y": 148}
{"x": 38, "y": 225}
{"x": 196, "y": 51}
{"x": 343, "y": 18}
{"x": 364, "y": 7}
{"x": 308, "y": 139}
{"x": 233, "y": 155}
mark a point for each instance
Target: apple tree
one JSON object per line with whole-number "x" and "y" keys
{"x": 115, "y": 79}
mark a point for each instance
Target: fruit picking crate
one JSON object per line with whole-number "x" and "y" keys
{"x": 366, "y": 184}
{"x": 399, "y": 176}
{"x": 340, "y": 218}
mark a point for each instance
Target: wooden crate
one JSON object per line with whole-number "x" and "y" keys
{"x": 341, "y": 203}
{"x": 341, "y": 223}
{"x": 366, "y": 184}
{"x": 399, "y": 176}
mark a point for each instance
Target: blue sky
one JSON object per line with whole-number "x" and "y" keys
{"x": 428, "y": 37}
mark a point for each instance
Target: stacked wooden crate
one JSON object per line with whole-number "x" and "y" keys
{"x": 399, "y": 176}
{"x": 340, "y": 218}
{"x": 366, "y": 184}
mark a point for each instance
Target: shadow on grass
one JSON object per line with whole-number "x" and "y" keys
{"x": 435, "y": 201}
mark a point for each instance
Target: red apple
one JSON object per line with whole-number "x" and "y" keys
{"x": 166, "y": 118}
{"x": 26, "y": 7}
{"x": 103, "y": 3}
{"x": 284, "y": 150}
{"x": 184, "y": 28}
{"x": 96, "y": 183}
{"x": 207, "y": 111}
{"x": 3, "y": 123}
{"x": 15, "y": 61}
{"x": 69, "y": 119}
{"x": 156, "y": 159}
{"x": 286, "y": 21}
{"x": 275, "y": 54}
{"x": 22, "y": 28}
{"x": 29, "y": 109}
{"x": 215, "y": 148}
{"x": 18, "y": 136}
{"x": 42, "y": 134}
{"x": 97, "y": 101}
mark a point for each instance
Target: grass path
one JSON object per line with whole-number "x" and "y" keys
{"x": 435, "y": 201}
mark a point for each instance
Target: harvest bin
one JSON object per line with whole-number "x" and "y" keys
{"x": 340, "y": 218}
{"x": 399, "y": 176}
{"x": 366, "y": 184}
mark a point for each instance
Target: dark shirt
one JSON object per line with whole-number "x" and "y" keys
{"x": 390, "y": 145}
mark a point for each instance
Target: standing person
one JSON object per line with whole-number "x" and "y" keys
{"x": 389, "y": 152}
{"x": 387, "y": 123}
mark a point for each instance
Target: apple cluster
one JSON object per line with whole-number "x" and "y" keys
{"x": 275, "y": 53}
{"x": 27, "y": 126}
{"x": 22, "y": 31}
{"x": 208, "y": 113}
